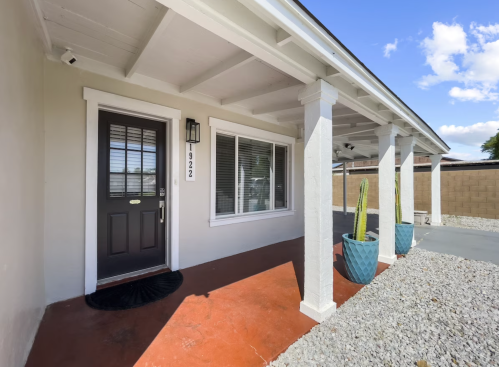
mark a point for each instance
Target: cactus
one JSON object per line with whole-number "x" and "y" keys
{"x": 398, "y": 207}
{"x": 359, "y": 227}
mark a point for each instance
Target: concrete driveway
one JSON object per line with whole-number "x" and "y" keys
{"x": 468, "y": 243}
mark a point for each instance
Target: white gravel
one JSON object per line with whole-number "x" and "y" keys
{"x": 483, "y": 224}
{"x": 430, "y": 307}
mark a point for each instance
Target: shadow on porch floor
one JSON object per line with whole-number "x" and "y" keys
{"x": 238, "y": 311}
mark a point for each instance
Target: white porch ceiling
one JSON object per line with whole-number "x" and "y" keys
{"x": 145, "y": 38}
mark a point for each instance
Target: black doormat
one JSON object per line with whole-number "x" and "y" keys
{"x": 135, "y": 294}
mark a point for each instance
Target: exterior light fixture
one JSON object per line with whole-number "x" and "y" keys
{"x": 193, "y": 132}
{"x": 349, "y": 146}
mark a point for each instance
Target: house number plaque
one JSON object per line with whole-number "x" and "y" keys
{"x": 190, "y": 162}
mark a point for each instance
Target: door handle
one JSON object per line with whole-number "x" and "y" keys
{"x": 162, "y": 211}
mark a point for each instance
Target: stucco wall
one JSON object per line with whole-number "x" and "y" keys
{"x": 21, "y": 183}
{"x": 65, "y": 182}
{"x": 472, "y": 193}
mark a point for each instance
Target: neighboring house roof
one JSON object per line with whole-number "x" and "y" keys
{"x": 297, "y": 2}
{"x": 421, "y": 165}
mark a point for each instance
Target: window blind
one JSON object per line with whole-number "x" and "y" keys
{"x": 256, "y": 185}
{"x": 254, "y": 175}
{"x": 225, "y": 174}
{"x": 280, "y": 177}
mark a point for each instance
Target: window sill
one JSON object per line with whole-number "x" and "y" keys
{"x": 250, "y": 218}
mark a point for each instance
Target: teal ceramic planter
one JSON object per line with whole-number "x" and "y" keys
{"x": 361, "y": 258}
{"x": 403, "y": 237}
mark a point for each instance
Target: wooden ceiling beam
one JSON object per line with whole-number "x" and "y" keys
{"x": 283, "y": 37}
{"x": 261, "y": 92}
{"x": 224, "y": 67}
{"x": 277, "y": 108}
{"x": 355, "y": 130}
{"x": 156, "y": 30}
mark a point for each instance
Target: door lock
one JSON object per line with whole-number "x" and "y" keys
{"x": 162, "y": 211}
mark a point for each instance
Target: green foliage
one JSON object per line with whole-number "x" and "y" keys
{"x": 491, "y": 147}
{"x": 398, "y": 207}
{"x": 359, "y": 226}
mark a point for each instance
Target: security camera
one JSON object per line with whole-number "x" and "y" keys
{"x": 68, "y": 57}
{"x": 349, "y": 146}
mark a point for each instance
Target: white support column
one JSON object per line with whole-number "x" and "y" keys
{"x": 344, "y": 188}
{"x": 318, "y": 99}
{"x": 407, "y": 180}
{"x": 386, "y": 174}
{"x": 436, "y": 214}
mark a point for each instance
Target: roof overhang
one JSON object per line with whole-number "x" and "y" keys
{"x": 311, "y": 35}
{"x": 248, "y": 56}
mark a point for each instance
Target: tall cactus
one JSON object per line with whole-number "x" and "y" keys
{"x": 398, "y": 207}
{"x": 359, "y": 227}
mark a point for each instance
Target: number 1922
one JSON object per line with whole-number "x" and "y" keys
{"x": 191, "y": 158}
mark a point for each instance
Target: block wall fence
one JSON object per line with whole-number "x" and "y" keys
{"x": 471, "y": 193}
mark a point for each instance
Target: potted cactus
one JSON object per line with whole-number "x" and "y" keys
{"x": 360, "y": 250}
{"x": 403, "y": 231}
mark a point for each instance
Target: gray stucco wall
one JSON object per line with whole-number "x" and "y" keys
{"x": 21, "y": 183}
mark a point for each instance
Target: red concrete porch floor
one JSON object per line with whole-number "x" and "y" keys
{"x": 239, "y": 311}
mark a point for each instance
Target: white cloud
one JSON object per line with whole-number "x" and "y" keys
{"x": 473, "y": 135}
{"x": 473, "y": 94}
{"x": 390, "y": 47}
{"x": 482, "y": 33}
{"x": 447, "y": 41}
{"x": 471, "y": 59}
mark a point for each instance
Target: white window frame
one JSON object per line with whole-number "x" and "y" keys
{"x": 237, "y": 130}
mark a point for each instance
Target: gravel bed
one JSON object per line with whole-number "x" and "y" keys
{"x": 427, "y": 307}
{"x": 483, "y": 224}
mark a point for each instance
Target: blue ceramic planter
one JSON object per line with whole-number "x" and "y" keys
{"x": 403, "y": 238}
{"x": 361, "y": 258}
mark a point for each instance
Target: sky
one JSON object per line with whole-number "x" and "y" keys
{"x": 440, "y": 57}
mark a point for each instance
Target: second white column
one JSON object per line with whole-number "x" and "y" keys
{"x": 386, "y": 135}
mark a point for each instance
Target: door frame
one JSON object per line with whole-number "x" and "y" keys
{"x": 98, "y": 100}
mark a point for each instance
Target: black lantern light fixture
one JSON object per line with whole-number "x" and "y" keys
{"x": 193, "y": 132}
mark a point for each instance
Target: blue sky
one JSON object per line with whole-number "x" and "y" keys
{"x": 442, "y": 59}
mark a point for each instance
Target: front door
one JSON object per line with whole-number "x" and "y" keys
{"x": 131, "y": 194}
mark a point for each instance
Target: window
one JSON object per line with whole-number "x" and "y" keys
{"x": 134, "y": 149}
{"x": 251, "y": 172}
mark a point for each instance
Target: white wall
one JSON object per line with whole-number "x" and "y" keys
{"x": 21, "y": 183}
{"x": 65, "y": 180}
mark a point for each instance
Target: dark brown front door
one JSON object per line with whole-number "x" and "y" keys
{"x": 131, "y": 187}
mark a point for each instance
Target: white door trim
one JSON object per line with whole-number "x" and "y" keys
{"x": 98, "y": 100}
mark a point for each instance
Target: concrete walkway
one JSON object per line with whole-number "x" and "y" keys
{"x": 468, "y": 243}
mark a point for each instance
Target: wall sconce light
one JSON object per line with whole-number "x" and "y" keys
{"x": 193, "y": 131}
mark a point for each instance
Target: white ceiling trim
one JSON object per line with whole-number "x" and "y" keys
{"x": 40, "y": 26}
